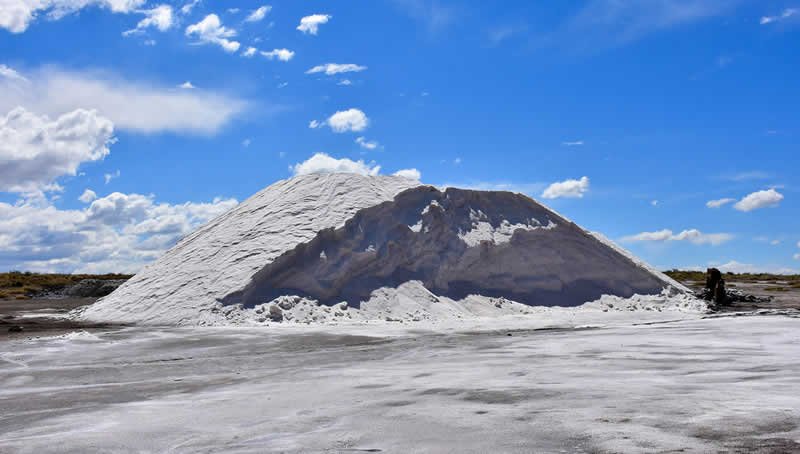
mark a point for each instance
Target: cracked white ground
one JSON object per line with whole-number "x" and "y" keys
{"x": 588, "y": 384}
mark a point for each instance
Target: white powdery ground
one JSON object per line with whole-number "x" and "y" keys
{"x": 724, "y": 384}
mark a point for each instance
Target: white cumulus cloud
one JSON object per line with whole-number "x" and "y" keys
{"x": 17, "y": 15}
{"x": 134, "y": 106}
{"x": 759, "y": 199}
{"x": 116, "y": 233}
{"x": 210, "y": 30}
{"x": 35, "y": 150}
{"x": 693, "y": 236}
{"x": 258, "y": 14}
{"x": 567, "y": 189}
{"x": 310, "y": 24}
{"x": 412, "y": 174}
{"x": 350, "y": 120}
{"x": 323, "y": 163}
{"x": 336, "y": 68}
{"x": 280, "y": 54}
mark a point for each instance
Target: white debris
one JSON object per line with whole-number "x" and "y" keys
{"x": 485, "y": 231}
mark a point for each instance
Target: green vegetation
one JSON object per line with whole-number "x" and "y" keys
{"x": 791, "y": 280}
{"x": 19, "y": 285}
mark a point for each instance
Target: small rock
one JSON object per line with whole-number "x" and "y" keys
{"x": 287, "y": 303}
{"x": 275, "y": 314}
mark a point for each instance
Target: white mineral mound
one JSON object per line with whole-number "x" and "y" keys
{"x": 376, "y": 243}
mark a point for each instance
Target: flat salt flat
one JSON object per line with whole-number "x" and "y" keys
{"x": 671, "y": 383}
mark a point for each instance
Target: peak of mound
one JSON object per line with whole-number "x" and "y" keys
{"x": 343, "y": 237}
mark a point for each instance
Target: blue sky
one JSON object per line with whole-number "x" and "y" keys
{"x": 641, "y": 112}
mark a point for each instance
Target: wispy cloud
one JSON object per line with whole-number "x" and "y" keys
{"x": 161, "y": 18}
{"x": 786, "y": 14}
{"x": 367, "y": 144}
{"x": 612, "y": 23}
{"x": 131, "y": 105}
{"x": 433, "y": 14}
{"x": 279, "y": 54}
{"x": 693, "y": 236}
{"x": 501, "y": 33}
{"x": 749, "y": 175}
{"x": 336, "y": 68}
{"x": 738, "y": 267}
{"x": 258, "y": 14}
{"x": 523, "y": 188}
{"x": 718, "y": 203}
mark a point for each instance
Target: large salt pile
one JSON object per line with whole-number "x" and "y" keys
{"x": 332, "y": 238}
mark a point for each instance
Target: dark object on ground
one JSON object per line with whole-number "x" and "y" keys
{"x": 93, "y": 288}
{"x": 718, "y": 296}
{"x": 700, "y": 276}
{"x": 715, "y": 286}
{"x": 33, "y": 317}
{"x": 85, "y": 288}
{"x": 25, "y": 285}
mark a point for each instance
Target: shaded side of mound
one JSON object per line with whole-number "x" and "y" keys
{"x": 456, "y": 243}
{"x": 186, "y": 283}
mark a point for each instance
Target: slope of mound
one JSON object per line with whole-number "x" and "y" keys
{"x": 456, "y": 243}
{"x": 221, "y": 257}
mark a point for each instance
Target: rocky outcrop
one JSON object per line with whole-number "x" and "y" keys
{"x": 719, "y": 296}
{"x": 93, "y": 288}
